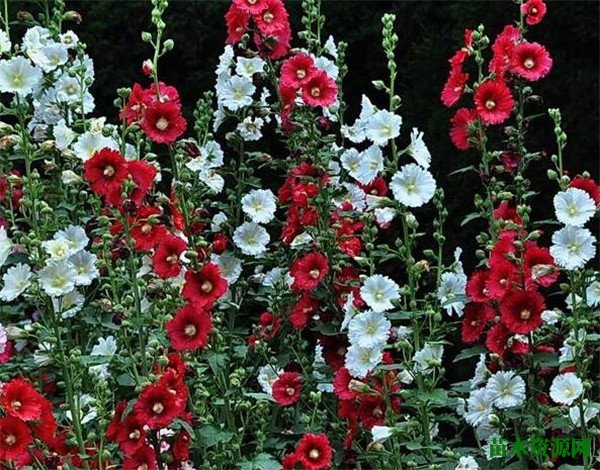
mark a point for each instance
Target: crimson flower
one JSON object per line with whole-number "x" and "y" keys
{"x": 539, "y": 266}
{"x": 460, "y": 123}
{"x": 156, "y": 406}
{"x": 21, "y": 400}
{"x": 454, "y": 87}
{"x": 205, "y": 286}
{"x": 287, "y": 388}
{"x": 162, "y": 122}
{"x": 297, "y": 70}
{"x": 497, "y": 338}
{"x": 166, "y": 258}
{"x": 476, "y": 290}
{"x": 190, "y": 327}
{"x": 320, "y": 90}
{"x": 105, "y": 171}
{"x": 253, "y": 7}
{"x": 493, "y": 102}
{"x": 142, "y": 173}
{"x": 314, "y": 451}
{"x": 521, "y": 311}
{"x": 237, "y": 21}
{"x": 147, "y": 231}
{"x": 131, "y": 435}
{"x": 303, "y": 310}
{"x": 531, "y": 61}
{"x": 144, "y": 458}
{"x": 534, "y": 11}
{"x": 273, "y": 18}
{"x": 474, "y": 321}
{"x": 309, "y": 271}
{"x": 15, "y": 437}
{"x": 588, "y": 185}
{"x": 500, "y": 279}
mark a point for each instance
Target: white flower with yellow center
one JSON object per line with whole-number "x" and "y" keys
{"x": 505, "y": 389}
{"x": 574, "y": 207}
{"x": 361, "y": 361}
{"x": 16, "y": 280}
{"x": 382, "y": 127}
{"x": 248, "y": 67}
{"x": 57, "y": 249}
{"x": 369, "y": 329}
{"x": 57, "y": 278}
{"x": 572, "y": 247}
{"x": 251, "y": 238}
{"x": 379, "y": 291}
{"x": 84, "y": 263}
{"x": 592, "y": 294}
{"x": 428, "y": 357}
{"x": 17, "y": 75}
{"x": 259, "y": 205}
{"x": 566, "y": 388}
{"x": 418, "y": 150}
{"x": 412, "y": 185}
{"x": 236, "y": 93}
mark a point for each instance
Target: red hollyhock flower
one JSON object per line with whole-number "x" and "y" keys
{"x": 493, "y": 102}
{"x": 205, "y": 286}
{"x": 15, "y": 437}
{"x": 163, "y": 122}
{"x": 156, "y": 406}
{"x": 272, "y": 19}
{"x": 320, "y": 90}
{"x": 8, "y": 352}
{"x": 476, "y": 290}
{"x": 497, "y": 339}
{"x": 114, "y": 426}
{"x": 503, "y": 48}
{"x": 131, "y": 435}
{"x": 297, "y": 70}
{"x": 165, "y": 260}
{"x": 253, "y": 7}
{"x": 181, "y": 446}
{"x": 142, "y": 173}
{"x": 21, "y": 400}
{"x": 531, "y": 61}
{"x": 504, "y": 245}
{"x": 220, "y": 243}
{"x": 460, "y": 123}
{"x": 147, "y": 231}
{"x": 289, "y": 462}
{"x": 309, "y": 271}
{"x": 539, "y": 266}
{"x": 144, "y": 459}
{"x": 474, "y": 321}
{"x": 314, "y": 451}
{"x": 510, "y": 160}
{"x": 507, "y": 211}
{"x": 372, "y": 410}
{"x": 269, "y": 326}
{"x": 534, "y": 11}
{"x": 303, "y": 310}
{"x": 501, "y": 277}
{"x": 521, "y": 311}
{"x": 105, "y": 171}
{"x": 190, "y": 327}
{"x": 237, "y": 21}
{"x": 588, "y": 185}
{"x": 45, "y": 427}
{"x": 287, "y": 388}
{"x": 276, "y": 45}
{"x": 454, "y": 87}
{"x": 334, "y": 350}
{"x": 132, "y": 112}
{"x": 341, "y": 385}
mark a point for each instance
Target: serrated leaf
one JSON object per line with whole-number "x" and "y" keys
{"x": 211, "y": 436}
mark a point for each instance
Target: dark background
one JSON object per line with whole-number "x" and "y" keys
{"x": 429, "y": 33}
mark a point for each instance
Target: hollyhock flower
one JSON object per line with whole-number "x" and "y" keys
{"x": 493, "y": 102}
{"x": 237, "y": 21}
{"x": 588, "y": 185}
{"x": 289, "y": 461}
{"x": 467, "y": 463}
{"x": 369, "y": 164}
{"x": 272, "y": 19}
{"x": 276, "y": 45}
{"x": 427, "y": 357}
{"x": 475, "y": 320}
{"x": 412, "y": 185}
{"x": 591, "y": 410}
{"x": 418, "y": 150}
{"x": 259, "y": 205}
{"x": 236, "y": 93}
{"x": 204, "y": 287}
{"x": 382, "y": 127}
{"x": 510, "y": 160}
{"x": 156, "y": 406}
{"x": 21, "y": 400}
{"x": 190, "y": 327}
{"x": 479, "y": 407}
{"x": 361, "y": 361}
{"x": 592, "y": 294}
{"x": 269, "y": 326}
{"x": 503, "y": 48}
{"x": 572, "y": 247}
{"x": 253, "y": 7}
{"x": 476, "y": 289}
{"x": 521, "y": 310}
{"x": 539, "y": 266}
{"x": 18, "y": 76}
{"x": 574, "y": 207}
{"x": 372, "y": 410}
{"x": 454, "y": 87}
{"x": 147, "y": 231}
{"x": 451, "y": 292}
{"x": 309, "y": 270}
{"x": 57, "y": 278}
{"x": 162, "y": 122}
{"x": 131, "y": 435}
{"x": 500, "y": 278}
{"x": 497, "y": 338}
{"x": 462, "y": 120}
{"x": 136, "y": 101}
{"x": 287, "y": 388}
{"x": 369, "y": 329}
{"x": 298, "y": 70}
{"x": 15, "y": 437}
{"x": 566, "y": 388}
{"x": 17, "y": 280}
{"x": 6, "y": 245}
{"x": 341, "y": 385}
{"x": 84, "y": 263}
{"x": 229, "y": 265}
{"x": 320, "y": 90}
{"x": 105, "y": 171}
{"x": 267, "y": 376}
{"x": 314, "y": 451}
{"x": 534, "y": 11}
{"x": 144, "y": 458}
{"x": 142, "y": 174}
{"x": 379, "y": 291}
{"x": 505, "y": 389}
{"x": 166, "y": 258}
{"x": 507, "y": 211}
{"x": 303, "y": 310}
{"x": 531, "y": 61}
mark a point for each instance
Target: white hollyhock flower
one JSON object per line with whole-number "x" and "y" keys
{"x": 592, "y": 293}
{"x": 69, "y": 304}
{"x": 383, "y": 126}
{"x": 361, "y": 361}
{"x": 350, "y": 161}
{"x": 225, "y": 61}
{"x": 16, "y": 280}
{"x": 63, "y": 135}
{"x": 69, "y": 177}
{"x": 330, "y": 47}
{"x": 75, "y": 237}
{"x": 267, "y": 376}
{"x": 319, "y": 364}
{"x": 384, "y": 215}
{"x": 303, "y": 238}
{"x": 506, "y": 389}
{"x": 69, "y": 39}
{"x": 212, "y": 180}
{"x": 57, "y": 249}
{"x": 217, "y": 221}
{"x": 3, "y": 342}
{"x": 251, "y": 238}
{"x": 572, "y": 247}
{"x": 574, "y": 207}
{"x": 250, "y": 128}
{"x": 480, "y": 372}
{"x": 479, "y": 407}
{"x": 566, "y": 351}
{"x": 378, "y": 292}
{"x": 370, "y": 164}
{"x": 84, "y": 263}
{"x": 89, "y": 143}
{"x": 355, "y": 196}
{"x": 550, "y": 317}
{"x": 236, "y": 93}
{"x": 248, "y": 67}
{"x": 259, "y": 205}
{"x": 58, "y": 278}
{"x": 5, "y": 246}
{"x": 412, "y": 185}
{"x": 467, "y": 463}
{"x": 427, "y": 357}
{"x": 349, "y": 311}
{"x": 418, "y": 150}
{"x": 276, "y": 276}
{"x": 590, "y": 411}
{"x": 5, "y": 44}
{"x": 229, "y": 265}
{"x": 52, "y": 56}
{"x": 566, "y": 388}
{"x": 369, "y": 330}
{"x": 381, "y": 434}
{"x": 17, "y": 75}
{"x": 452, "y": 292}
{"x": 106, "y": 348}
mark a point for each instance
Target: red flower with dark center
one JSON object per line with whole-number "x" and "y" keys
{"x": 181, "y": 446}
{"x": 156, "y": 407}
{"x": 474, "y": 321}
{"x": 204, "y": 287}
{"x": 531, "y": 61}
{"x": 142, "y": 173}
{"x": 320, "y": 90}
{"x": 497, "y": 338}
{"x": 501, "y": 278}
{"x": 476, "y": 290}
{"x": 163, "y": 122}
{"x": 272, "y": 19}
{"x": 166, "y": 259}
{"x": 147, "y": 230}
{"x": 15, "y": 438}
{"x": 309, "y": 271}
{"x": 237, "y": 21}
{"x": 105, "y": 171}
{"x": 539, "y": 266}
{"x": 287, "y": 388}
{"x": 134, "y": 107}
{"x": 588, "y": 185}
{"x": 131, "y": 435}
{"x": 297, "y": 70}
{"x": 460, "y": 124}
{"x": 372, "y": 410}
{"x": 493, "y": 102}
{"x": 303, "y": 310}
{"x": 454, "y": 87}
{"x": 534, "y": 11}
{"x": 341, "y": 385}
{"x": 190, "y": 327}
{"x": 253, "y": 7}
{"x": 314, "y": 451}
{"x": 521, "y": 311}
{"x": 21, "y": 400}
{"x": 143, "y": 459}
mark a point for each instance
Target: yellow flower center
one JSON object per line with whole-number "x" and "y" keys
{"x": 490, "y": 104}
{"x": 162, "y": 124}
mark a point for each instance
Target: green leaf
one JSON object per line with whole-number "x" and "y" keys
{"x": 216, "y": 361}
{"x": 470, "y": 352}
{"x": 261, "y": 462}
{"x": 211, "y": 436}
{"x": 463, "y": 170}
{"x": 259, "y": 396}
{"x": 546, "y": 359}
{"x": 470, "y": 217}
{"x": 125, "y": 380}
